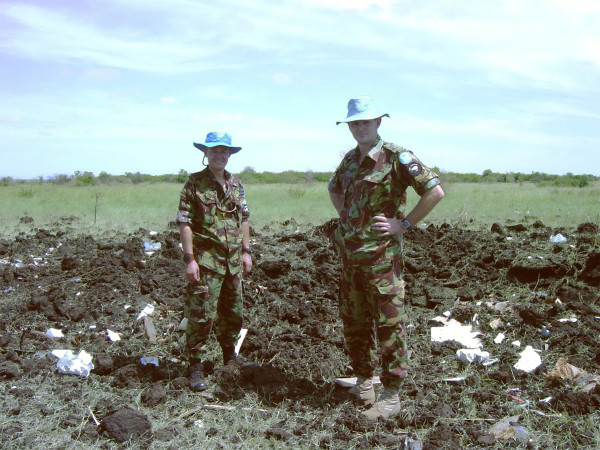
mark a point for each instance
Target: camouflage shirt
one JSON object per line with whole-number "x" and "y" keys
{"x": 375, "y": 186}
{"x": 215, "y": 217}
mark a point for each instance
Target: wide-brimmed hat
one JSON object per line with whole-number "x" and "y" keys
{"x": 215, "y": 139}
{"x": 361, "y": 108}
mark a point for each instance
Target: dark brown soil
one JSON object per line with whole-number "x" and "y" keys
{"x": 85, "y": 285}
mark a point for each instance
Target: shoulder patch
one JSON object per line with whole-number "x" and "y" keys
{"x": 415, "y": 169}
{"x": 405, "y": 157}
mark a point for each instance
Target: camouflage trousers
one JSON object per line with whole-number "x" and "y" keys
{"x": 216, "y": 300}
{"x": 372, "y": 306}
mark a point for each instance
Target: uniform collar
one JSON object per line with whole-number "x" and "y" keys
{"x": 375, "y": 149}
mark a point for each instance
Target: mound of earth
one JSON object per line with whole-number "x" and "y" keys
{"x": 511, "y": 279}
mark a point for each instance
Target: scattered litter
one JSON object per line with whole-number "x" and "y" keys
{"x": 558, "y": 238}
{"x": 569, "y": 319}
{"x": 565, "y": 371}
{"x": 54, "y": 333}
{"x": 516, "y": 343}
{"x": 454, "y": 331}
{"x": 150, "y": 330}
{"x": 499, "y": 338}
{"x": 349, "y": 382}
{"x": 183, "y": 324}
{"x": 454, "y": 379}
{"x": 508, "y": 429}
{"x": 495, "y": 323}
{"x": 529, "y": 361}
{"x": 152, "y": 233}
{"x": 545, "y": 332}
{"x": 150, "y": 247}
{"x": 240, "y": 340}
{"x": 472, "y": 355}
{"x": 146, "y": 360}
{"x": 74, "y": 365}
{"x": 148, "y": 309}
{"x": 113, "y": 336}
{"x": 509, "y": 238}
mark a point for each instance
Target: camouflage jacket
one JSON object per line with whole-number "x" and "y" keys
{"x": 375, "y": 186}
{"x": 215, "y": 217}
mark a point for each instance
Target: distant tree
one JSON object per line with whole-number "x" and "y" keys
{"x": 5, "y": 181}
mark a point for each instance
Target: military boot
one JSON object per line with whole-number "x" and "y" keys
{"x": 363, "y": 390}
{"x": 387, "y": 406}
{"x": 196, "y": 376}
{"x": 229, "y": 357}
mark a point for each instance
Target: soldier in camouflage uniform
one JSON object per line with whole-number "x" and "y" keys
{"x": 215, "y": 236}
{"x": 368, "y": 189}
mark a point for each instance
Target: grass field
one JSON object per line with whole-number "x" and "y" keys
{"x": 92, "y": 209}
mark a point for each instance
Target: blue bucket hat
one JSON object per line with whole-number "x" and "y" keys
{"x": 361, "y": 108}
{"x": 215, "y": 139}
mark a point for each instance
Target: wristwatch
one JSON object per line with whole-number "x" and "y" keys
{"x": 405, "y": 224}
{"x": 188, "y": 258}
{"x": 247, "y": 250}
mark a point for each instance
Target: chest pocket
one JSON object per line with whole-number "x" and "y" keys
{"x": 376, "y": 185}
{"x": 207, "y": 202}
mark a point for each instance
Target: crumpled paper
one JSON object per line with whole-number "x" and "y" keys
{"x": 529, "y": 360}
{"x": 71, "y": 364}
{"x": 455, "y": 331}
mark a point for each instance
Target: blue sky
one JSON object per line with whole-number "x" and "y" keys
{"x": 127, "y": 85}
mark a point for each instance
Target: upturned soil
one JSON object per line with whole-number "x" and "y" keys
{"x": 509, "y": 279}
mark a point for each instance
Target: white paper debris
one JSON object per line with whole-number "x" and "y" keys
{"x": 75, "y": 365}
{"x": 145, "y": 360}
{"x": 240, "y": 340}
{"x": 183, "y": 324}
{"x": 558, "y": 238}
{"x": 149, "y": 309}
{"x": 454, "y": 331}
{"x": 529, "y": 360}
{"x": 54, "y": 333}
{"x": 499, "y": 338}
{"x": 472, "y": 355}
{"x": 113, "y": 336}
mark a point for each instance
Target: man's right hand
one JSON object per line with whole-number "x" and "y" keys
{"x": 192, "y": 271}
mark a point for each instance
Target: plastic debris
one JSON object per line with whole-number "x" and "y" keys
{"x": 499, "y": 338}
{"x": 146, "y": 360}
{"x": 183, "y": 324}
{"x": 113, "y": 336}
{"x": 565, "y": 371}
{"x": 54, "y": 333}
{"x": 529, "y": 360}
{"x": 150, "y": 246}
{"x": 454, "y": 331}
{"x": 558, "y": 238}
{"x": 545, "y": 332}
{"x": 508, "y": 428}
{"x": 148, "y": 309}
{"x": 472, "y": 355}
{"x": 75, "y": 365}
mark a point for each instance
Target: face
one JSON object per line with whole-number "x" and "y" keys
{"x": 364, "y": 131}
{"x": 217, "y": 157}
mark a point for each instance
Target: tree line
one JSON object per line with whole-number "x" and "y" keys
{"x": 250, "y": 176}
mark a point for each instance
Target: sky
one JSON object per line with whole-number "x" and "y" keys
{"x": 123, "y": 86}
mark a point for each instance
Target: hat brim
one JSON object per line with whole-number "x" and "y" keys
{"x": 356, "y": 117}
{"x": 203, "y": 147}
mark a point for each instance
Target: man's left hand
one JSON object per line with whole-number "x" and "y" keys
{"x": 387, "y": 226}
{"x": 246, "y": 263}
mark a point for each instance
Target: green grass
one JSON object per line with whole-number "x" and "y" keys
{"x": 153, "y": 205}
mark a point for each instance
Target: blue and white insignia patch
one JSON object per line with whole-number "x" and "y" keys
{"x": 415, "y": 169}
{"x": 405, "y": 157}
